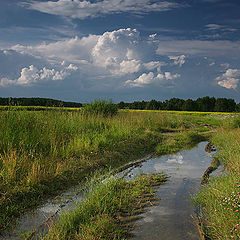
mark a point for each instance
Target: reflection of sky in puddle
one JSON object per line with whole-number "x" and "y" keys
{"x": 171, "y": 219}
{"x": 177, "y": 158}
{"x": 187, "y": 163}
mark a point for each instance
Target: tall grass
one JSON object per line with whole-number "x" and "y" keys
{"x": 220, "y": 199}
{"x": 42, "y": 152}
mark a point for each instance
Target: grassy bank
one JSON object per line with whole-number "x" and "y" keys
{"x": 45, "y": 152}
{"x": 220, "y": 199}
{"x": 108, "y": 210}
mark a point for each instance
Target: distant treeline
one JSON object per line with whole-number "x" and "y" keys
{"x": 204, "y": 104}
{"x": 45, "y": 102}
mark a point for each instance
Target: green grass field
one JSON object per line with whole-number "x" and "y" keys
{"x": 44, "y": 152}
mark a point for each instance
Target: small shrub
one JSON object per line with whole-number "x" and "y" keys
{"x": 101, "y": 107}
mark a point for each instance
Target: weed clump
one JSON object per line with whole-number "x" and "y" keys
{"x": 101, "y": 107}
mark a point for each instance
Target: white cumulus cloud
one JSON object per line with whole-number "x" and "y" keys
{"x": 76, "y": 50}
{"x": 28, "y": 76}
{"x": 161, "y": 79}
{"x": 229, "y": 79}
{"x": 112, "y": 57}
{"x": 83, "y": 9}
{"x": 131, "y": 66}
{"x": 32, "y": 74}
{"x": 170, "y": 76}
{"x": 116, "y": 46}
{"x": 154, "y": 64}
{"x": 6, "y": 81}
{"x": 178, "y": 60}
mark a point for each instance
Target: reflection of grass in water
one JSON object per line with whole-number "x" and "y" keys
{"x": 108, "y": 210}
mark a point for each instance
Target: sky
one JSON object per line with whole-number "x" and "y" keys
{"x": 124, "y": 50}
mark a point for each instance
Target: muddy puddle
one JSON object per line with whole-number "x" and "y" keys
{"x": 171, "y": 219}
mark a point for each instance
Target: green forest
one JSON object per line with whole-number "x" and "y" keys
{"x": 45, "y": 102}
{"x": 204, "y": 104}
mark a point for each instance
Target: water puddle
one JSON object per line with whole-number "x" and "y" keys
{"x": 170, "y": 220}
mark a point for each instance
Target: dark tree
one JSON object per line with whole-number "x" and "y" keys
{"x": 189, "y": 105}
{"x": 46, "y": 102}
{"x": 153, "y": 105}
{"x": 225, "y": 105}
{"x": 206, "y": 104}
{"x": 174, "y": 104}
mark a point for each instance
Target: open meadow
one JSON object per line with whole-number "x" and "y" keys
{"x": 45, "y": 152}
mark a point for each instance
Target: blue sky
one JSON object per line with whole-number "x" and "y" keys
{"x": 79, "y": 50}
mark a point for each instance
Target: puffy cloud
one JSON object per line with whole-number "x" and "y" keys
{"x": 170, "y": 76}
{"x": 6, "y": 81}
{"x": 72, "y": 67}
{"x": 113, "y": 47}
{"x": 212, "y": 64}
{"x": 131, "y": 66}
{"x": 229, "y": 79}
{"x": 154, "y": 64}
{"x": 162, "y": 79}
{"x": 115, "y": 52}
{"x": 178, "y": 60}
{"x": 28, "y": 75}
{"x": 83, "y": 9}
{"x": 118, "y": 51}
{"x": 31, "y": 74}
{"x": 77, "y": 50}
{"x": 112, "y": 57}
{"x": 144, "y": 79}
